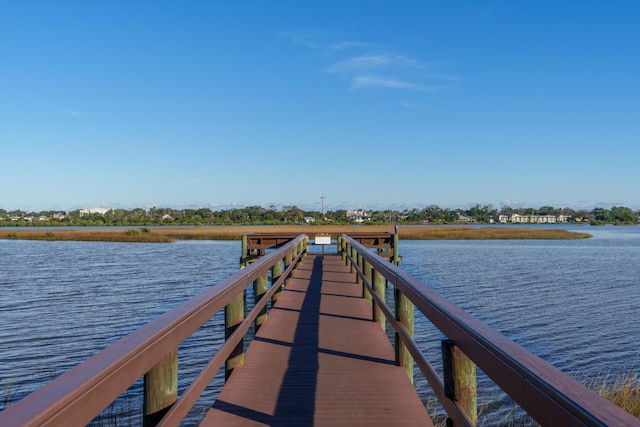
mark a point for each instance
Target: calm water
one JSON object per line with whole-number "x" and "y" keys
{"x": 573, "y": 303}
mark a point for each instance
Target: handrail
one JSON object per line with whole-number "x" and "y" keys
{"x": 545, "y": 393}
{"x": 80, "y": 394}
{"x": 181, "y": 408}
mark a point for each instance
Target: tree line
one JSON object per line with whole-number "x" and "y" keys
{"x": 255, "y": 215}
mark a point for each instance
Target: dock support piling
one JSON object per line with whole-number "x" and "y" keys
{"x": 341, "y": 248}
{"x": 243, "y": 255}
{"x": 379, "y": 288}
{"x": 259, "y": 289}
{"x": 368, "y": 275}
{"x": 233, "y": 316}
{"x": 160, "y": 389}
{"x": 460, "y": 380}
{"x": 288, "y": 259}
{"x": 276, "y": 272}
{"x": 396, "y": 250}
{"x": 404, "y": 314}
{"x": 354, "y": 257}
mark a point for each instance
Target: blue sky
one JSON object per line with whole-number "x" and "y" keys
{"x": 375, "y": 104}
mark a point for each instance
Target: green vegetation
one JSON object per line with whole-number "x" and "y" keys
{"x": 137, "y": 231}
{"x": 257, "y": 215}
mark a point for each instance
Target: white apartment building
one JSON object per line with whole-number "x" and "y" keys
{"x": 532, "y": 219}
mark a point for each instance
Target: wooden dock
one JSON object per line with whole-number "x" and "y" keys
{"x": 319, "y": 360}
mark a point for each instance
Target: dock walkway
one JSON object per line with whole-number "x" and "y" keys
{"x": 319, "y": 360}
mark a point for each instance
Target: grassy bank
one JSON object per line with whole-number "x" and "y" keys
{"x": 407, "y": 232}
{"x": 623, "y": 390}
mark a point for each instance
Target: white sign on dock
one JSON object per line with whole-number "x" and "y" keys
{"x": 323, "y": 240}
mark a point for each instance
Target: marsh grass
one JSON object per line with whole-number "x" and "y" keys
{"x": 407, "y": 232}
{"x": 485, "y": 233}
{"x": 9, "y": 391}
{"x": 623, "y": 390}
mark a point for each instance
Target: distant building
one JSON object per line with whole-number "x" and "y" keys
{"x": 100, "y": 211}
{"x": 357, "y": 215}
{"x": 531, "y": 219}
{"x": 464, "y": 218}
{"x": 61, "y": 215}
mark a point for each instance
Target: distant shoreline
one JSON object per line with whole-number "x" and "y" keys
{"x": 235, "y": 232}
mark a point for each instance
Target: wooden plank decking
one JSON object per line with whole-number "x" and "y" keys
{"x": 319, "y": 360}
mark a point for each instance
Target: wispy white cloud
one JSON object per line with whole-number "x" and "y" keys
{"x": 367, "y": 66}
{"x": 367, "y": 62}
{"x": 362, "y": 82}
{"x": 370, "y": 81}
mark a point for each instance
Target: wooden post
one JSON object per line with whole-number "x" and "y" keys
{"x": 233, "y": 316}
{"x": 302, "y": 249}
{"x": 160, "y": 389}
{"x": 396, "y": 250}
{"x": 243, "y": 255}
{"x": 368, "y": 274}
{"x": 379, "y": 287}
{"x": 346, "y": 248}
{"x": 288, "y": 258}
{"x": 276, "y": 272}
{"x": 354, "y": 257}
{"x": 259, "y": 289}
{"x": 460, "y": 380}
{"x": 297, "y": 251}
{"x": 404, "y": 314}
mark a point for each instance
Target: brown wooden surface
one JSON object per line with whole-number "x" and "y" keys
{"x": 319, "y": 360}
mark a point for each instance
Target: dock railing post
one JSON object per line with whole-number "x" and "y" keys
{"x": 301, "y": 250}
{"x": 396, "y": 250}
{"x": 276, "y": 272}
{"x": 288, "y": 259}
{"x": 368, "y": 275}
{"x": 233, "y": 316}
{"x": 160, "y": 389}
{"x": 259, "y": 289}
{"x": 379, "y": 288}
{"x": 353, "y": 263}
{"x": 243, "y": 255}
{"x": 460, "y": 380}
{"x": 404, "y": 314}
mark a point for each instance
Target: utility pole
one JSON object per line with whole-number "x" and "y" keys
{"x": 322, "y": 198}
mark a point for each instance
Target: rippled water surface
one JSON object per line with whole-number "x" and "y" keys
{"x": 61, "y": 302}
{"x": 573, "y": 303}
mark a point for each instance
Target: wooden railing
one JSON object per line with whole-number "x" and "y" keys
{"x": 79, "y": 395}
{"x": 546, "y": 394}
